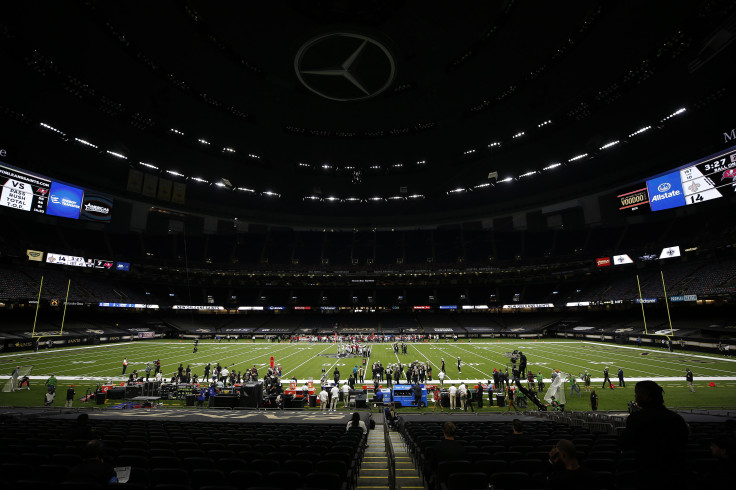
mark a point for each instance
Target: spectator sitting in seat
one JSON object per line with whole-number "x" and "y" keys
{"x": 723, "y": 448}
{"x": 566, "y": 472}
{"x": 92, "y": 469}
{"x": 356, "y": 422}
{"x": 448, "y": 449}
{"x": 518, "y": 437}
{"x": 659, "y": 436}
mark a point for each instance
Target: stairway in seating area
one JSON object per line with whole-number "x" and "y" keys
{"x": 376, "y": 470}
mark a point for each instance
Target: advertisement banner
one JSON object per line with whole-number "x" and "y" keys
{"x": 603, "y": 261}
{"x": 666, "y": 192}
{"x": 96, "y": 207}
{"x": 35, "y": 255}
{"x": 64, "y": 201}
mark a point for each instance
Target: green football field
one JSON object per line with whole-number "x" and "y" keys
{"x": 87, "y": 366}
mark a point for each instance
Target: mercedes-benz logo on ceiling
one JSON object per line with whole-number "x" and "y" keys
{"x": 345, "y": 66}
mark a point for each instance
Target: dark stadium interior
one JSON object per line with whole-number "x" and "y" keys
{"x": 389, "y": 167}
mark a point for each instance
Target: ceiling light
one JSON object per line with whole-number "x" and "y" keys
{"x": 519, "y": 134}
{"x": 197, "y": 179}
{"x": 118, "y": 155}
{"x": 507, "y": 179}
{"x": 495, "y": 143}
{"x": 85, "y": 142}
{"x": 244, "y": 189}
{"x": 271, "y": 194}
{"x": 480, "y": 186}
{"x": 204, "y": 142}
{"x": 676, "y": 113}
{"x": 416, "y": 196}
{"x": 228, "y": 149}
{"x": 551, "y": 166}
{"x": 172, "y": 172}
{"x": 149, "y": 165}
{"x": 456, "y": 191}
{"x": 528, "y": 174}
{"x": 578, "y": 157}
{"x": 176, "y": 131}
{"x": 544, "y": 123}
{"x": 645, "y": 128}
{"x": 53, "y": 129}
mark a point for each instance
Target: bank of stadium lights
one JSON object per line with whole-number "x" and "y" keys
{"x": 481, "y": 186}
{"x": 57, "y": 131}
{"x": 494, "y": 144}
{"x": 312, "y": 198}
{"x": 542, "y": 124}
{"x": 518, "y": 135}
{"x": 676, "y": 113}
{"x": 116, "y": 155}
{"x": 245, "y": 189}
{"x": 551, "y": 166}
{"x": 468, "y": 152}
{"x": 198, "y": 179}
{"x": 332, "y": 199}
{"x": 326, "y": 166}
{"x": 375, "y": 199}
{"x": 176, "y": 131}
{"x": 254, "y": 156}
{"x": 397, "y": 165}
{"x": 507, "y": 179}
{"x": 578, "y": 157}
{"x": 228, "y": 149}
{"x": 148, "y": 165}
{"x": 527, "y": 174}
{"x": 609, "y": 145}
{"x": 270, "y": 194}
{"x": 352, "y": 199}
{"x": 84, "y": 142}
{"x": 375, "y": 167}
{"x": 415, "y": 196}
{"x": 173, "y": 172}
{"x": 639, "y": 131}
{"x": 396, "y": 198}
{"x": 458, "y": 190}
{"x": 204, "y": 142}
{"x": 220, "y": 184}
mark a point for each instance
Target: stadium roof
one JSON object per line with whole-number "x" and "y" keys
{"x": 393, "y": 112}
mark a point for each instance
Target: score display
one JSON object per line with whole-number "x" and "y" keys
{"x": 710, "y": 178}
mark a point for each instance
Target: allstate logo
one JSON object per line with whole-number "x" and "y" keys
{"x": 664, "y": 187}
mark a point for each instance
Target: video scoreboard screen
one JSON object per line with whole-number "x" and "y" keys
{"x": 27, "y": 192}
{"x": 710, "y": 178}
{"x": 23, "y": 191}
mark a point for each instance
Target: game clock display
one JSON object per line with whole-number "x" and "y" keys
{"x": 710, "y": 178}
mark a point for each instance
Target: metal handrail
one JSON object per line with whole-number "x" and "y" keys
{"x": 391, "y": 458}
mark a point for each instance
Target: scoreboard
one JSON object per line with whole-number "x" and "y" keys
{"x": 710, "y": 178}
{"x": 27, "y": 192}
{"x": 23, "y": 191}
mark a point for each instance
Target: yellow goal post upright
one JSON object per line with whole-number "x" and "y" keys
{"x": 38, "y": 338}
